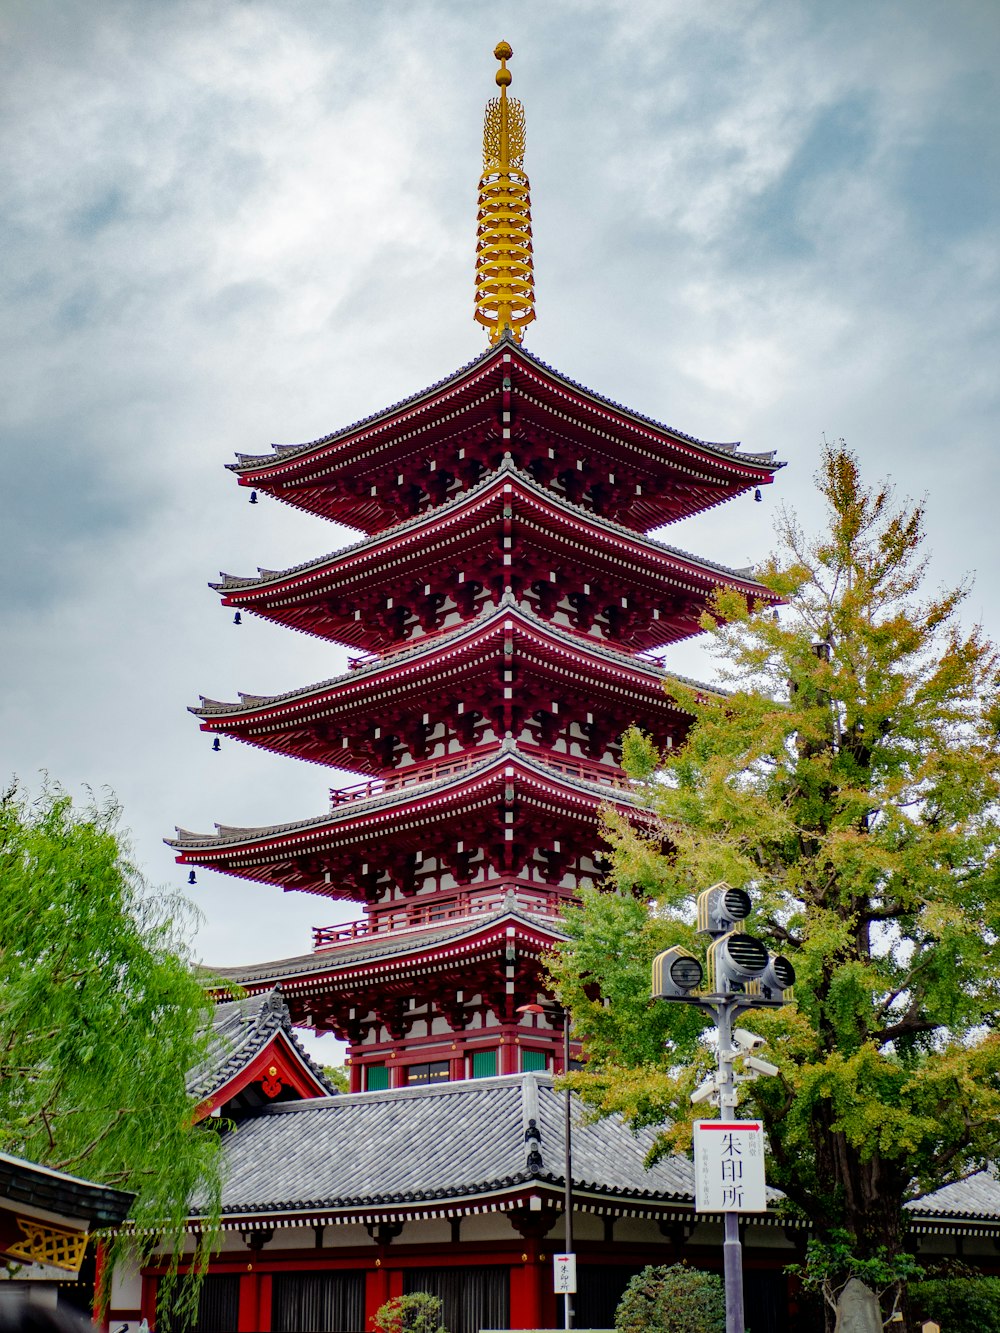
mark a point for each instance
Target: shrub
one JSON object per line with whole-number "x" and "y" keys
{"x": 959, "y": 1304}
{"x": 672, "y": 1299}
{"x": 419, "y": 1312}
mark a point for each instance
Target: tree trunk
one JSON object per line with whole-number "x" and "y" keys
{"x": 867, "y": 1194}
{"x": 867, "y": 1203}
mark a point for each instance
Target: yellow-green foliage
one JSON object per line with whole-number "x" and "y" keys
{"x": 849, "y": 780}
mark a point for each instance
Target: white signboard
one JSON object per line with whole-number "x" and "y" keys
{"x": 729, "y": 1166}
{"x": 564, "y": 1274}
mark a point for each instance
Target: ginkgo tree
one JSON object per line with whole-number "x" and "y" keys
{"x": 848, "y": 775}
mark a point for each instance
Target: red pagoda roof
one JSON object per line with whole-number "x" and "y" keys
{"x": 322, "y": 855}
{"x": 368, "y": 474}
{"x": 328, "y": 723}
{"x": 400, "y": 955}
{"x": 507, "y": 527}
{"x": 334, "y": 988}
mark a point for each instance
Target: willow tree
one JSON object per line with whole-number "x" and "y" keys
{"x": 101, "y": 1017}
{"x": 848, "y": 778}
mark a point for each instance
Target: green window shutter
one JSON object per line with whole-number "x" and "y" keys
{"x": 376, "y": 1078}
{"x": 531, "y": 1060}
{"x": 484, "y": 1064}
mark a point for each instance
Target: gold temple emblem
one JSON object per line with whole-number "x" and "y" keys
{"x": 45, "y": 1244}
{"x": 505, "y": 284}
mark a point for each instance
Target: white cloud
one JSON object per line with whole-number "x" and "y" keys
{"x": 227, "y": 224}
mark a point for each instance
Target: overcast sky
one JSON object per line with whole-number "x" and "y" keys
{"x": 224, "y": 224}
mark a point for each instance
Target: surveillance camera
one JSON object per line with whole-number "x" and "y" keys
{"x": 747, "y": 1041}
{"x": 760, "y": 1066}
{"x": 703, "y": 1091}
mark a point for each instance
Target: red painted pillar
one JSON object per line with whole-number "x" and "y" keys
{"x": 530, "y": 1288}
{"x": 356, "y": 1078}
{"x": 508, "y": 1054}
{"x": 381, "y": 1285}
{"x": 249, "y": 1308}
{"x": 147, "y": 1301}
{"x": 376, "y": 1292}
{"x": 264, "y": 1304}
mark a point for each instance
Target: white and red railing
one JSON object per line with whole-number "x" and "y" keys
{"x": 418, "y": 916}
{"x": 420, "y": 773}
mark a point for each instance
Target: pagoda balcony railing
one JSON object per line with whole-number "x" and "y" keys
{"x": 418, "y": 916}
{"x": 418, "y": 774}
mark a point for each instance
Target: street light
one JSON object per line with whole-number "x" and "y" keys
{"x": 742, "y": 974}
{"x": 554, "y": 1011}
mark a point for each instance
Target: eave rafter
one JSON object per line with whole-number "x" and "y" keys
{"x": 364, "y": 720}
{"x": 444, "y": 567}
{"x": 441, "y": 965}
{"x": 508, "y": 806}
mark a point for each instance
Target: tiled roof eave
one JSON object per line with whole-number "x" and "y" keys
{"x": 396, "y": 944}
{"x": 432, "y": 646}
{"x": 242, "y": 1031}
{"x": 602, "y": 1203}
{"x": 430, "y": 518}
{"x": 57, "y": 1192}
{"x": 282, "y": 453}
{"x": 503, "y": 1195}
{"x": 508, "y": 752}
{"x": 727, "y": 453}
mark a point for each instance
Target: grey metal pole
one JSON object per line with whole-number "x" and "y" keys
{"x": 732, "y": 1250}
{"x": 568, "y": 1196}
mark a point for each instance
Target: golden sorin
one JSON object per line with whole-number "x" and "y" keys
{"x": 505, "y": 286}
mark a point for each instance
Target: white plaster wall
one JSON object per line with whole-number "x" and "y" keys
{"x": 767, "y": 1238}
{"x": 126, "y": 1288}
{"x": 488, "y": 1226}
{"x": 979, "y": 1246}
{"x": 638, "y": 1230}
{"x": 433, "y": 1231}
{"x": 588, "y": 1226}
{"x": 345, "y": 1233}
{"x": 233, "y": 1243}
{"x": 293, "y": 1238}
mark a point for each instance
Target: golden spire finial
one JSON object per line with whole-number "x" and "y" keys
{"x": 505, "y": 287}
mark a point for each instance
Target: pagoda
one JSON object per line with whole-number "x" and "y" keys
{"x": 507, "y": 608}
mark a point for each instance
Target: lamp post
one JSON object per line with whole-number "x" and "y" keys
{"x": 743, "y": 975}
{"x": 553, "y": 1011}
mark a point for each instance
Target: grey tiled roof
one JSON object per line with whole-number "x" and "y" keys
{"x": 387, "y": 944}
{"x": 241, "y": 1029}
{"x": 290, "y": 450}
{"x": 975, "y": 1199}
{"x": 23, "y": 1182}
{"x": 421, "y": 1146}
{"x": 462, "y": 1143}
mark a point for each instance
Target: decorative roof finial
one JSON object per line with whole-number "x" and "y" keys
{"x": 505, "y": 285}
